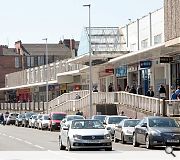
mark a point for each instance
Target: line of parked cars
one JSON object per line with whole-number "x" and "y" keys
{"x": 98, "y": 132}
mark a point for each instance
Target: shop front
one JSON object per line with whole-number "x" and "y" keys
{"x": 121, "y": 78}
{"x": 23, "y": 95}
{"x": 106, "y": 78}
{"x": 132, "y": 75}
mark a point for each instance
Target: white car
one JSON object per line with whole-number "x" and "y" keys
{"x": 111, "y": 121}
{"x": 11, "y": 119}
{"x": 44, "y": 121}
{"x": 124, "y": 130}
{"x": 78, "y": 134}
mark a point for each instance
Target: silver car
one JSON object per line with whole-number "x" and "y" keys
{"x": 78, "y": 134}
{"x": 124, "y": 130}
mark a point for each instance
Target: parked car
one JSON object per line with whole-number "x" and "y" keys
{"x": 157, "y": 131}
{"x": 32, "y": 121}
{"x": 19, "y": 119}
{"x": 6, "y": 116}
{"x": 124, "y": 130}
{"x": 44, "y": 121}
{"x": 36, "y": 125}
{"x": 111, "y": 121}
{"x": 25, "y": 121}
{"x": 55, "y": 119}
{"x": 11, "y": 118}
{"x": 84, "y": 134}
{"x": 70, "y": 118}
{"x": 99, "y": 117}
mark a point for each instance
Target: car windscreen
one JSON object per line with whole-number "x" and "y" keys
{"x": 131, "y": 123}
{"x": 46, "y": 117}
{"x": 74, "y": 117}
{"x": 101, "y": 118}
{"x": 87, "y": 124}
{"x": 58, "y": 116}
{"x": 115, "y": 120}
{"x": 162, "y": 122}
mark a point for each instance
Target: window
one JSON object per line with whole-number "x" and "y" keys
{"x": 32, "y": 61}
{"x": 133, "y": 47}
{"x": 157, "y": 39}
{"x": 17, "y": 65}
{"x": 144, "y": 43}
{"x": 28, "y": 61}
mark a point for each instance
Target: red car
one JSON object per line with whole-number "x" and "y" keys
{"x": 55, "y": 120}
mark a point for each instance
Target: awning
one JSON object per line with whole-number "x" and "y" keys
{"x": 27, "y": 86}
{"x": 150, "y": 53}
{"x": 67, "y": 77}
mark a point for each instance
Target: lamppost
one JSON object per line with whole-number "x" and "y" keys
{"x": 47, "y": 105}
{"x": 90, "y": 63}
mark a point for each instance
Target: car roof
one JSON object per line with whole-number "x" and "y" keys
{"x": 57, "y": 113}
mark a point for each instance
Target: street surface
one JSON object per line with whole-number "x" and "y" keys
{"x": 19, "y": 139}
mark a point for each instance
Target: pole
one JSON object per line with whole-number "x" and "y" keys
{"x": 90, "y": 63}
{"x": 47, "y": 105}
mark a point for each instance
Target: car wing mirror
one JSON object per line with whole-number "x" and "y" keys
{"x": 49, "y": 118}
{"x": 144, "y": 125}
{"x": 65, "y": 128}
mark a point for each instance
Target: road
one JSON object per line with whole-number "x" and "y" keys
{"x": 14, "y": 138}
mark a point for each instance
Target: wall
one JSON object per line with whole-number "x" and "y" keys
{"x": 172, "y": 19}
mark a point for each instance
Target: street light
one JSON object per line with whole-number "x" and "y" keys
{"x": 90, "y": 62}
{"x": 47, "y": 106}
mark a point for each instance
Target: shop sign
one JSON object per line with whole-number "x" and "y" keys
{"x": 51, "y": 87}
{"x": 132, "y": 68}
{"x": 145, "y": 64}
{"x": 121, "y": 71}
{"x": 166, "y": 59}
{"x": 110, "y": 70}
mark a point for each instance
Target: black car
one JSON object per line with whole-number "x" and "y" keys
{"x": 25, "y": 120}
{"x": 19, "y": 120}
{"x": 157, "y": 131}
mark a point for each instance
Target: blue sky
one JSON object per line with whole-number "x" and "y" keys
{"x": 32, "y": 20}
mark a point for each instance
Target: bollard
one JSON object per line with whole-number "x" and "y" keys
{"x": 164, "y": 107}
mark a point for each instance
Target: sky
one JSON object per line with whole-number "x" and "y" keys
{"x": 32, "y": 20}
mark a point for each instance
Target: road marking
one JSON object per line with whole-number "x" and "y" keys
{"x": 27, "y": 142}
{"x": 39, "y": 146}
{"x": 18, "y": 139}
{"x": 4, "y": 134}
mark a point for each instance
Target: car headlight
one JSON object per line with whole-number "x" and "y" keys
{"x": 76, "y": 136}
{"x": 129, "y": 132}
{"x": 155, "y": 133}
{"x": 107, "y": 136}
{"x": 108, "y": 128}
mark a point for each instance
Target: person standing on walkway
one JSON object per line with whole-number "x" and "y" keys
{"x": 132, "y": 90}
{"x": 150, "y": 92}
{"x": 162, "y": 92}
{"x": 139, "y": 90}
{"x": 173, "y": 95}
{"x": 110, "y": 87}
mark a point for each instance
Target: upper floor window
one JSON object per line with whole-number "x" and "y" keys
{"x": 157, "y": 39}
{"x": 144, "y": 43}
{"x": 17, "y": 62}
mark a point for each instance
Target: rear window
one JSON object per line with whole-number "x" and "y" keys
{"x": 58, "y": 116}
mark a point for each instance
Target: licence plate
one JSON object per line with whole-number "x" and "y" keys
{"x": 95, "y": 141}
{"x": 173, "y": 140}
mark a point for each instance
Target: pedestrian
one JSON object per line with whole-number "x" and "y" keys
{"x": 122, "y": 113}
{"x": 95, "y": 89}
{"x": 132, "y": 90}
{"x": 2, "y": 119}
{"x": 79, "y": 113}
{"x": 118, "y": 88}
{"x": 177, "y": 92}
{"x": 78, "y": 96}
{"x": 162, "y": 92}
{"x": 110, "y": 87}
{"x": 127, "y": 88}
{"x": 139, "y": 90}
{"x": 173, "y": 95}
{"x": 150, "y": 92}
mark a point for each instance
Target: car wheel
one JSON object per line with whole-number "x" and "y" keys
{"x": 61, "y": 147}
{"x": 122, "y": 139}
{"x": 108, "y": 149}
{"x": 148, "y": 143}
{"x": 69, "y": 145}
{"x": 135, "y": 143}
